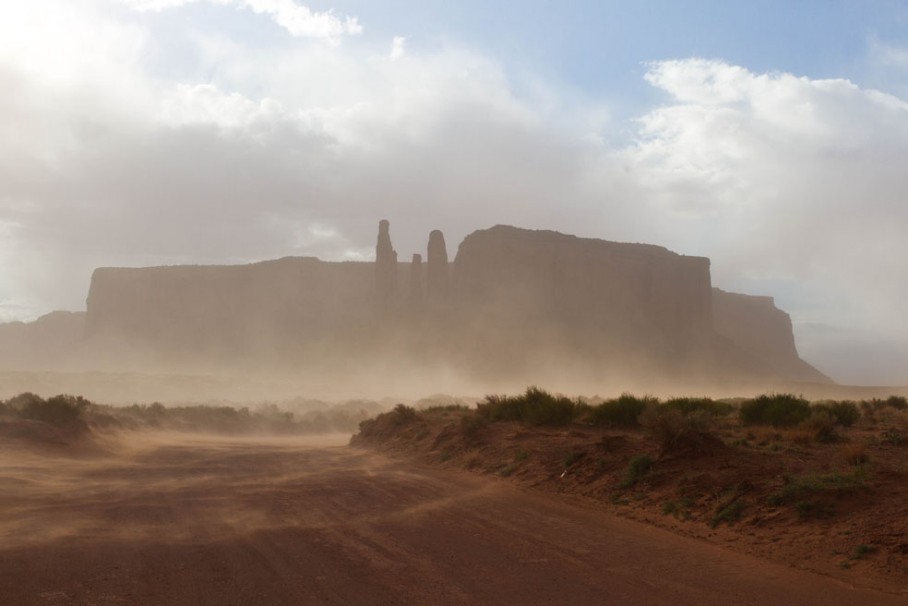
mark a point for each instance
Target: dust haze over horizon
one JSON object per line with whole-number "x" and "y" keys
{"x": 771, "y": 139}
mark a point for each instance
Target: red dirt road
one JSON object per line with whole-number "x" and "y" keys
{"x": 216, "y": 521}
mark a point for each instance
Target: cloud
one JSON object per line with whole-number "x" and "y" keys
{"x": 793, "y": 186}
{"x": 398, "y": 49}
{"x": 297, "y": 19}
{"x": 785, "y": 179}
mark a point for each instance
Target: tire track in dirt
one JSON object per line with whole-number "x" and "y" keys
{"x": 238, "y": 522}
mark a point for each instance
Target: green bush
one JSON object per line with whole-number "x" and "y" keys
{"x": 471, "y": 425}
{"x": 897, "y": 402}
{"x": 402, "y": 414}
{"x": 622, "y": 412}
{"x": 804, "y": 486}
{"x": 875, "y": 404}
{"x": 60, "y": 411}
{"x": 535, "y": 407}
{"x": 778, "y": 410}
{"x": 821, "y": 425}
{"x": 729, "y": 514}
{"x": 688, "y": 406}
{"x": 638, "y": 467}
{"x": 845, "y": 413}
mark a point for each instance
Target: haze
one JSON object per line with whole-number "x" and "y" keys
{"x": 770, "y": 138}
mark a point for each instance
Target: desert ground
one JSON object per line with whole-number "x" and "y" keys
{"x": 180, "y": 518}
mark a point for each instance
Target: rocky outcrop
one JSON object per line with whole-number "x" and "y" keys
{"x": 47, "y": 342}
{"x": 385, "y": 266}
{"x": 268, "y": 310}
{"x": 515, "y": 302}
{"x": 624, "y": 290}
{"x": 417, "y": 291}
{"x": 760, "y": 329}
{"x": 437, "y": 267}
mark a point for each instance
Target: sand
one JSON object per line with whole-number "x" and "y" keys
{"x": 187, "y": 519}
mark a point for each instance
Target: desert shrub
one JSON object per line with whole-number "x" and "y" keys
{"x": 638, "y": 467}
{"x": 729, "y": 514}
{"x": 894, "y": 437}
{"x": 688, "y": 406}
{"x": 60, "y": 411}
{"x": 679, "y": 509}
{"x": 844, "y": 412}
{"x": 471, "y": 425}
{"x": 402, "y": 414}
{"x": 803, "y": 486}
{"x": 387, "y": 423}
{"x": 813, "y": 510}
{"x": 778, "y": 410}
{"x": 447, "y": 408}
{"x": 855, "y": 453}
{"x": 623, "y": 411}
{"x": 820, "y": 426}
{"x": 897, "y": 402}
{"x": 535, "y": 407}
{"x": 662, "y": 424}
{"x": 869, "y": 407}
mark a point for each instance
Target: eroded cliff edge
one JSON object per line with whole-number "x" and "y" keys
{"x": 516, "y": 303}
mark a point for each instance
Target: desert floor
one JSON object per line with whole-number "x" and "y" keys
{"x": 188, "y": 519}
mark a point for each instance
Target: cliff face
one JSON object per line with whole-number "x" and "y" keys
{"x": 274, "y": 307}
{"x": 515, "y": 302}
{"x": 755, "y": 325}
{"x": 634, "y": 291}
{"x": 47, "y": 341}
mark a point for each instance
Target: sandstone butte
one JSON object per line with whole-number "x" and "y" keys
{"x": 514, "y": 303}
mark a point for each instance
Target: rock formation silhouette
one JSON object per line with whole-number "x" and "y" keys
{"x": 385, "y": 266}
{"x": 517, "y": 303}
{"x": 417, "y": 291}
{"x": 437, "y": 278}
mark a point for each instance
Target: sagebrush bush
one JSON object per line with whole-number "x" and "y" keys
{"x": 855, "y": 454}
{"x": 844, "y": 412}
{"x": 60, "y": 411}
{"x": 709, "y": 406}
{"x": 897, "y": 402}
{"x": 535, "y": 407}
{"x": 471, "y": 425}
{"x": 669, "y": 427}
{"x": 778, "y": 410}
{"x": 820, "y": 426}
{"x": 402, "y": 414}
{"x": 638, "y": 467}
{"x": 874, "y": 405}
{"x": 832, "y": 483}
{"x": 623, "y": 411}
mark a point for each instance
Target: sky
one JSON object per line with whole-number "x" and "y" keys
{"x": 769, "y": 136}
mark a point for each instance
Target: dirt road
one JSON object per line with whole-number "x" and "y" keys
{"x": 208, "y": 521}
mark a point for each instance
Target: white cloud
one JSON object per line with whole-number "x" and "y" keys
{"x": 398, "y": 47}
{"x": 793, "y": 186}
{"x": 297, "y": 19}
{"x": 786, "y": 178}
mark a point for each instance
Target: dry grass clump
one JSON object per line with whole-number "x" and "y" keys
{"x": 672, "y": 429}
{"x": 638, "y": 467}
{"x": 876, "y": 407}
{"x": 855, "y": 453}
